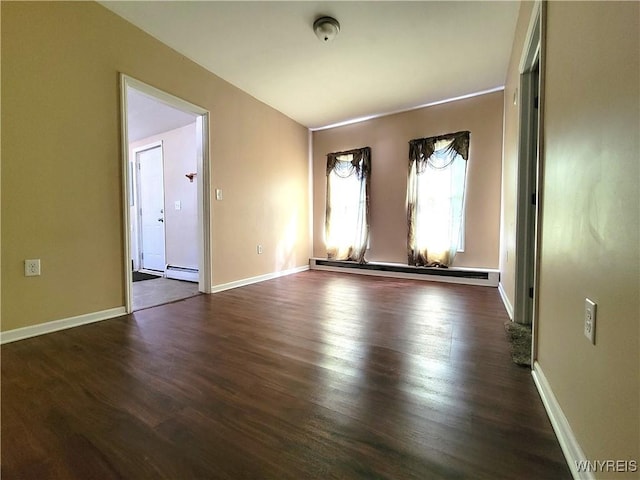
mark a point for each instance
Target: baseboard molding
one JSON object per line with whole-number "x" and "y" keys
{"x": 505, "y": 300}
{"x": 260, "y": 278}
{"x": 63, "y": 324}
{"x": 570, "y": 447}
{"x": 465, "y": 276}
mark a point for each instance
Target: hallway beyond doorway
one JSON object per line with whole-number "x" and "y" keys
{"x": 155, "y": 292}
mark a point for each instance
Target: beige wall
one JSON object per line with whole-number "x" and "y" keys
{"x": 590, "y": 218}
{"x": 0, "y": 180}
{"x": 591, "y": 223}
{"x": 388, "y": 138}
{"x": 181, "y": 226}
{"x": 61, "y": 182}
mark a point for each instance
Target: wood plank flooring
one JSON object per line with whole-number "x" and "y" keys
{"x": 316, "y": 375}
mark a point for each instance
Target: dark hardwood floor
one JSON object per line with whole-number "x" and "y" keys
{"x": 312, "y": 376}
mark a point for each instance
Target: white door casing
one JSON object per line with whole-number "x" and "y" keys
{"x": 530, "y": 166}
{"x": 202, "y": 179}
{"x": 149, "y": 165}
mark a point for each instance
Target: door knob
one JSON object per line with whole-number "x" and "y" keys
{"x": 161, "y": 219}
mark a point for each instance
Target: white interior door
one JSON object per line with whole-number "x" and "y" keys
{"x": 151, "y": 209}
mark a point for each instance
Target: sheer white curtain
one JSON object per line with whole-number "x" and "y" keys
{"x": 347, "y": 222}
{"x": 435, "y": 198}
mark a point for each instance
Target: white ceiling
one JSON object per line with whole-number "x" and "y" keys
{"x": 147, "y": 116}
{"x": 388, "y": 56}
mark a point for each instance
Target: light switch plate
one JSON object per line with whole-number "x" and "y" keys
{"x": 218, "y": 194}
{"x": 177, "y": 205}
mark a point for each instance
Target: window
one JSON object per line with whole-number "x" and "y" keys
{"x": 435, "y": 198}
{"x": 347, "y": 218}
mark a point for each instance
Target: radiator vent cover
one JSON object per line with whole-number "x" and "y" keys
{"x": 470, "y": 276}
{"x": 176, "y": 272}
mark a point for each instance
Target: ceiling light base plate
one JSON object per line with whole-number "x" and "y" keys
{"x": 326, "y": 28}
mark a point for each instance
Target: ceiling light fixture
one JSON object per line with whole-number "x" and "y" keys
{"x": 326, "y": 28}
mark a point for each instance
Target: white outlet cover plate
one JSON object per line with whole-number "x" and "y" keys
{"x": 32, "y": 267}
{"x": 590, "y": 308}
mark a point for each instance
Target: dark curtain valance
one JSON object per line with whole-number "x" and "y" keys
{"x": 421, "y": 149}
{"x": 361, "y": 162}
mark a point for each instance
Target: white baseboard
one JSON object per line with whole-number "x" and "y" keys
{"x": 570, "y": 447}
{"x": 54, "y": 326}
{"x": 505, "y": 300}
{"x": 63, "y": 324}
{"x": 260, "y": 278}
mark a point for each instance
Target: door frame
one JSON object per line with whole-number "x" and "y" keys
{"x": 203, "y": 181}
{"x": 529, "y": 175}
{"x": 138, "y": 184}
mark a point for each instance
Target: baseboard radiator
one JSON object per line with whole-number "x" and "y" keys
{"x": 181, "y": 273}
{"x": 467, "y": 276}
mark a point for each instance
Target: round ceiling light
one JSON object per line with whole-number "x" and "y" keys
{"x": 326, "y": 28}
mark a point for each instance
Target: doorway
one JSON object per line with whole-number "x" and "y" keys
{"x": 165, "y": 164}
{"x": 528, "y": 178}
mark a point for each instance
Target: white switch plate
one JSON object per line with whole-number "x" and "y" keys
{"x": 260, "y": 250}
{"x": 218, "y": 194}
{"x": 32, "y": 267}
{"x": 590, "y": 320}
{"x": 177, "y": 205}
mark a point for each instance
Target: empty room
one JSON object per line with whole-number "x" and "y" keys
{"x": 401, "y": 240}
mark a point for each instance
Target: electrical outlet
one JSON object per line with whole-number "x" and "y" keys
{"x": 32, "y": 267}
{"x": 590, "y": 320}
{"x": 259, "y": 249}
